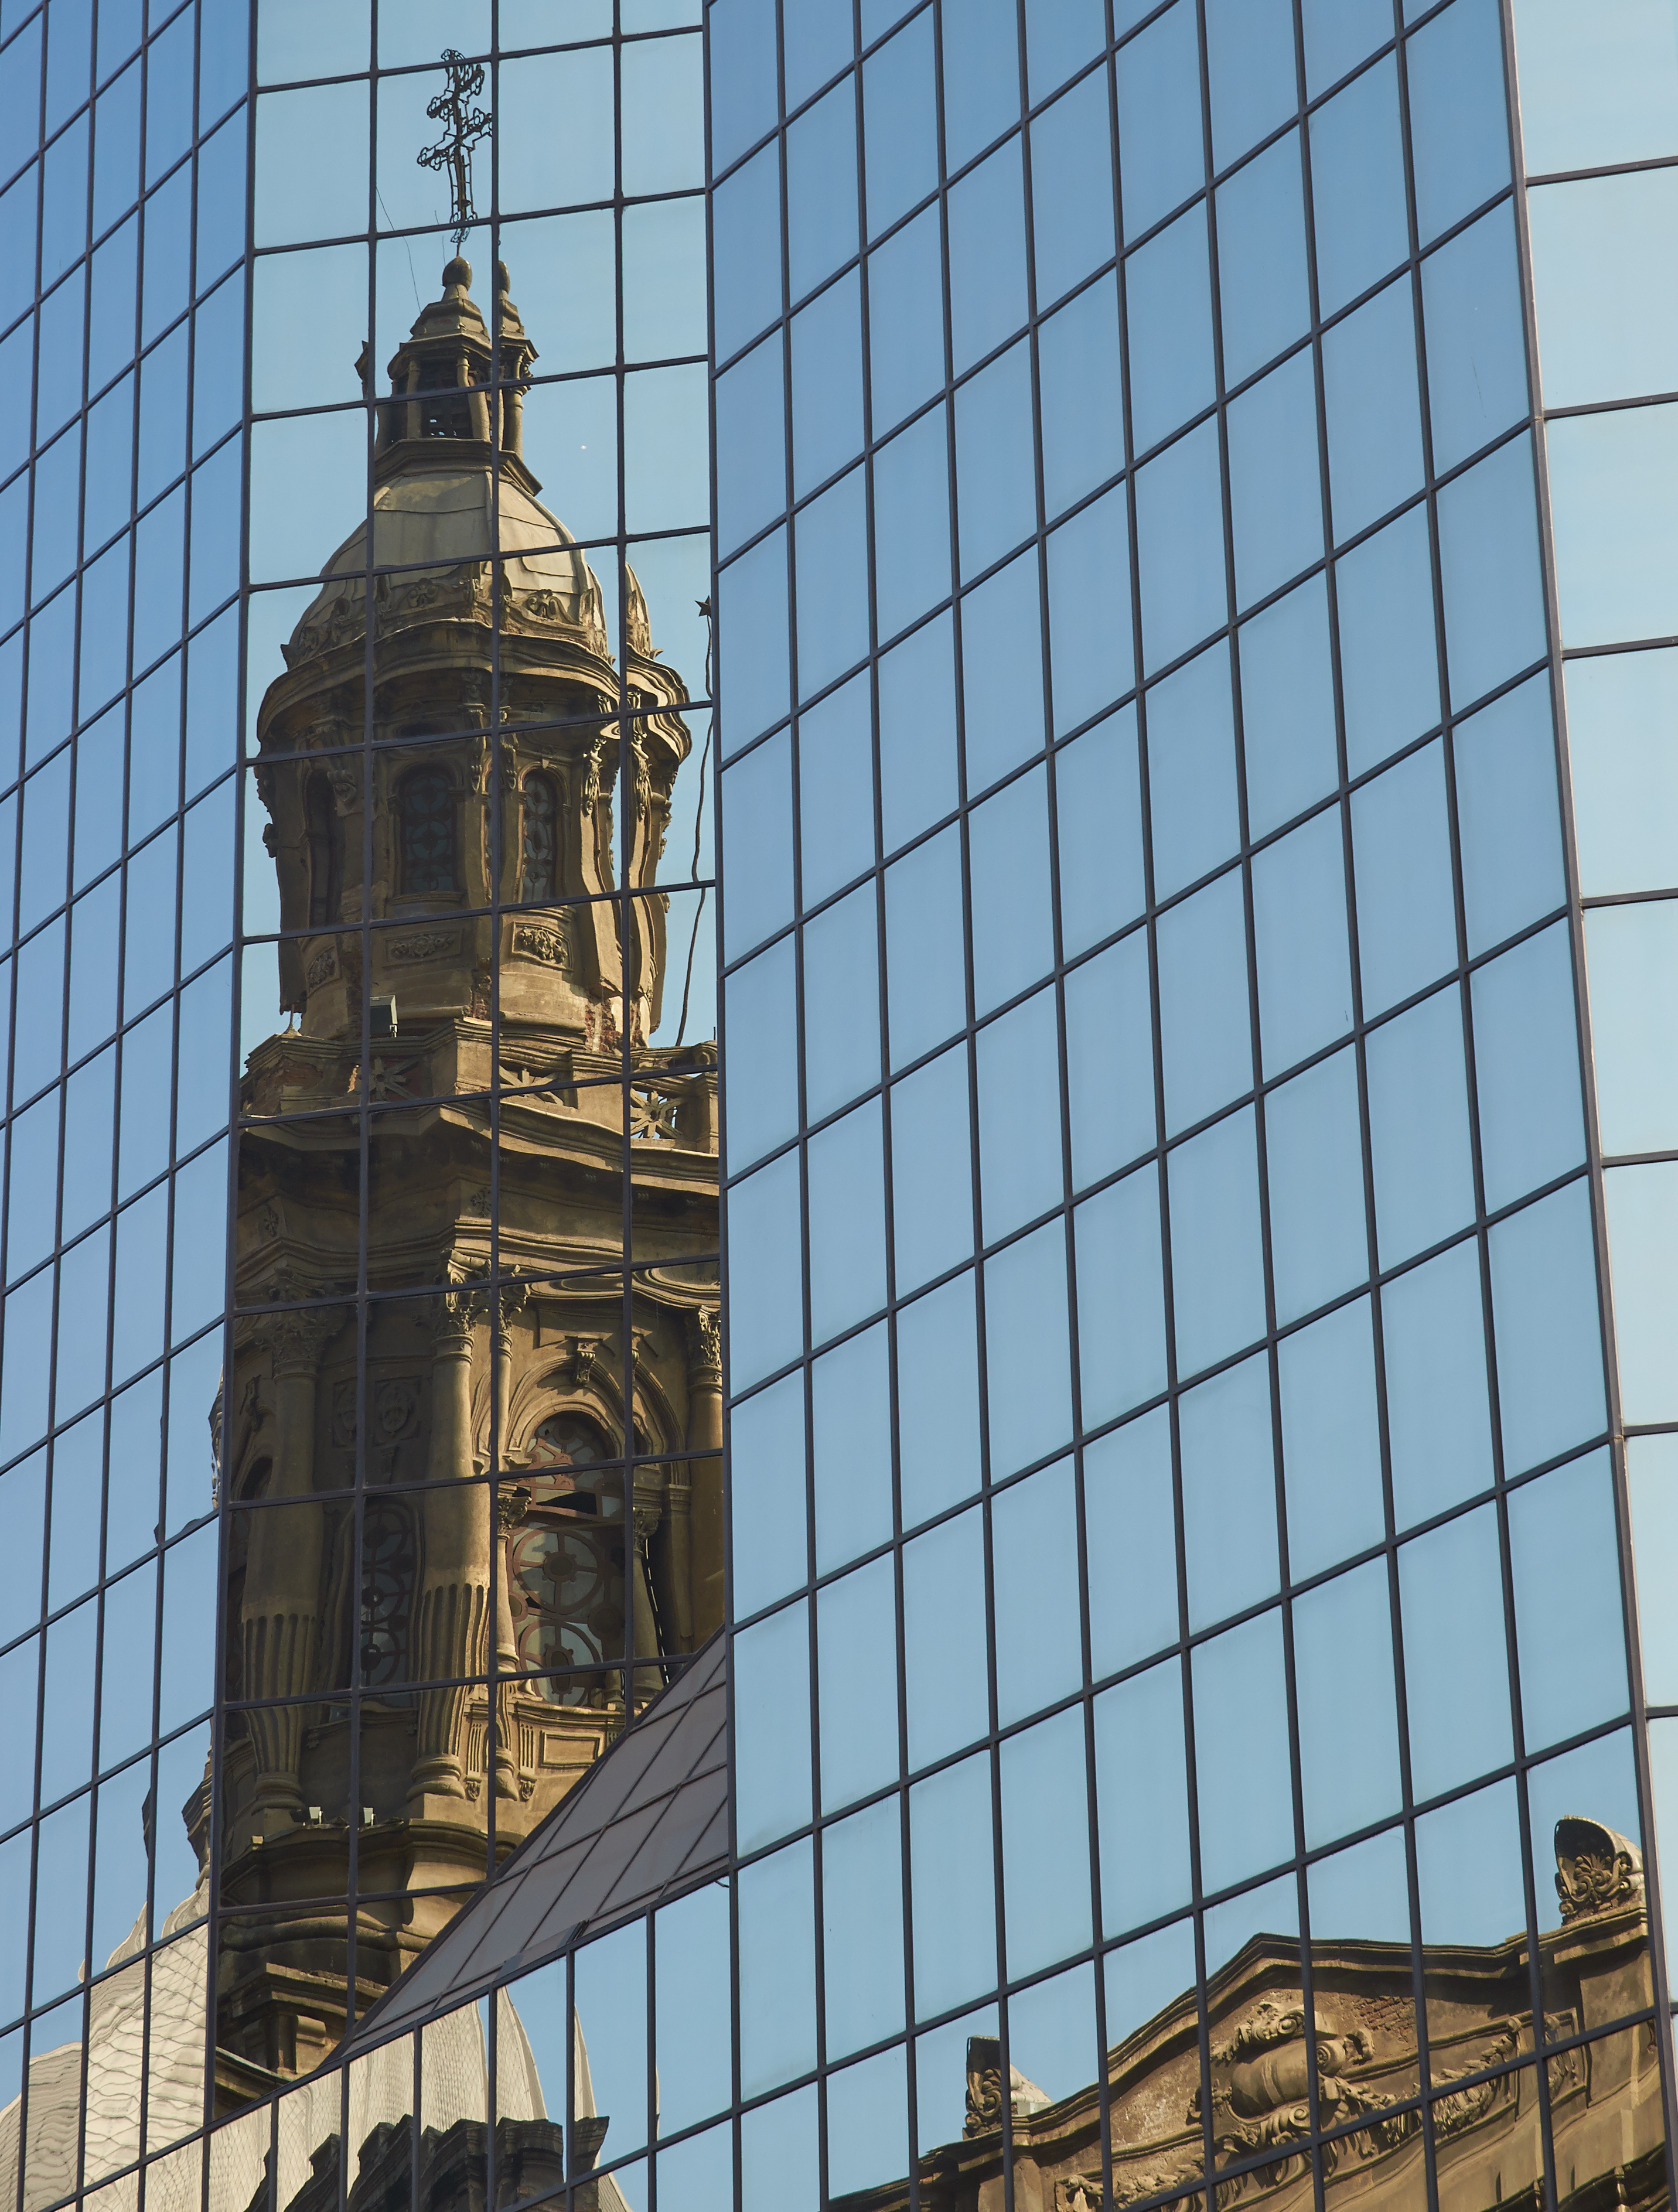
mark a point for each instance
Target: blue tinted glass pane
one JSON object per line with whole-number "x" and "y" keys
{"x": 1205, "y": 1030}
{"x": 931, "y": 1191}
{"x": 1140, "y": 1748}
{"x": 1089, "y": 610}
{"x": 1550, "y": 1390}
{"x": 1389, "y": 664}
{"x": 899, "y": 123}
{"x": 1508, "y": 821}
{"x": 773, "y": 1701}
{"x": 1597, "y": 87}
{"x": 923, "y": 937}
{"x": 1476, "y": 338}
{"x": 1099, "y": 827}
{"x": 917, "y": 723}
{"x": 912, "y": 522}
{"x": 1013, "y": 941}
{"x": 847, "y": 1223}
{"x": 821, "y": 189}
{"x": 1304, "y": 974}
{"x": 1287, "y": 708}
{"x": 944, "y": 1622}
{"x": 835, "y": 791}
{"x": 750, "y": 430}
{"x": 1314, "y": 1155}
{"x": 753, "y": 609}
{"x": 1620, "y": 708}
{"x": 1250, "y": 66}
{"x": 765, "y": 1318}
{"x": 981, "y": 78}
{"x": 761, "y": 1028}
{"x": 1110, "y": 1061}
{"x": 746, "y": 249}
{"x": 1344, "y": 1653}
{"x": 1216, "y": 1263}
{"x": 1061, "y": 36}
{"x": 1179, "y": 528}
{"x": 841, "y": 1004}
{"x": 1358, "y": 184}
{"x": 1418, "y": 1129}
{"x": 1338, "y": 35}
{"x": 1452, "y": 1589}
{"x": 1160, "y": 157}
{"x": 1631, "y": 949}
{"x": 1489, "y": 565}
{"x": 1607, "y": 333}
{"x": 856, "y": 1640}
{"x": 116, "y": 148}
{"x": 64, "y": 228}
{"x": 1229, "y": 1492}
{"x": 1242, "y": 1765}
{"x": 1072, "y": 187}
{"x": 1437, "y": 1409}
{"x": 905, "y": 321}
{"x": 1527, "y": 1067}
{"x": 1369, "y": 382}
{"x": 817, "y": 44}
{"x": 1168, "y": 302}
{"x": 1459, "y": 120}
{"x": 827, "y": 387}
{"x": 1616, "y": 543}
{"x": 987, "y": 256}
{"x": 1275, "y": 494}
{"x": 1078, "y": 370}
{"x": 169, "y": 95}
{"x": 1034, "y": 1536}
{"x": 1019, "y": 1117}
{"x": 1002, "y": 671}
{"x": 1026, "y": 1306}
{"x": 1642, "y": 1211}
{"x": 742, "y": 75}
{"x": 1331, "y": 1443}
{"x": 938, "y": 1400}
{"x": 1406, "y": 930}
{"x": 1194, "y": 812}
{"x": 1264, "y": 287}
{"x": 1130, "y": 1531}
{"x": 995, "y": 460}
{"x": 1561, "y": 1532}
{"x": 757, "y": 819}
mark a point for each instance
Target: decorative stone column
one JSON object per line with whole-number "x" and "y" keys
{"x": 705, "y": 1435}
{"x": 280, "y": 1616}
{"x": 452, "y": 1615}
{"x": 512, "y": 1504}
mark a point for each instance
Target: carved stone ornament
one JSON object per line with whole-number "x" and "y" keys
{"x": 323, "y": 967}
{"x": 426, "y": 944}
{"x": 512, "y": 1504}
{"x": 708, "y": 1340}
{"x": 984, "y": 2088}
{"x": 1596, "y": 1869}
{"x": 548, "y": 943}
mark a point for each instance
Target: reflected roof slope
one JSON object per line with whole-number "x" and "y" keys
{"x": 650, "y": 1817}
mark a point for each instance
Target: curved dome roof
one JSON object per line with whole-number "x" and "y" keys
{"x": 443, "y": 517}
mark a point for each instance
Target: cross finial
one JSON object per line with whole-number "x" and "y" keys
{"x": 464, "y": 125}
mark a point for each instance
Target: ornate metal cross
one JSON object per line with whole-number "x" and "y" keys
{"x": 464, "y": 125}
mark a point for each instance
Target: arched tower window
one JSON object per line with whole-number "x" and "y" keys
{"x": 565, "y": 1562}
{"x": 425, "y": 810}
{"x": 326, "y": 835}
{"x": 539, "y": 874}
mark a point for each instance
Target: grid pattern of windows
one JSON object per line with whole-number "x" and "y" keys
{"x": 1159, "y": 1224}
{"x": 122, "y": 138}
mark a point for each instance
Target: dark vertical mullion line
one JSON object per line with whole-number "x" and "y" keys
{"x": 1272, "y": 1361}
{"x": 992, "y": 1754}
{"x": 26, "y": 630}
{"x": 242, "y": 775}
{"x": 84, "y": 277}
{"x": 362, "y": 1310}
{"x": 629, "y": 933}
{"x": 1103, "y": 2098}
{"x": 1167, "y": 1286}
{"x": 1512, "y": 1656}
{"x": 876, "y": 812}
{"x": 1618, "y": 1456}
{"x": 1337, "y": 676}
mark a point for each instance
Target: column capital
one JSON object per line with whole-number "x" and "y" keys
{"x": 705, "y": 1346}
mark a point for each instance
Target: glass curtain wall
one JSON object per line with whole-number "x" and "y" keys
{"x": 123, "y": 140}
{"x": 1181, "y": 1646}
{"x": 391, "y": 1495}
{"x": 1599, "y": 120}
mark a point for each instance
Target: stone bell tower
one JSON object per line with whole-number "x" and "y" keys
{"x": 486, "y": 894}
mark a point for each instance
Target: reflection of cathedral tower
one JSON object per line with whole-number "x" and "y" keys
{"x": 372, "y": 1579}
